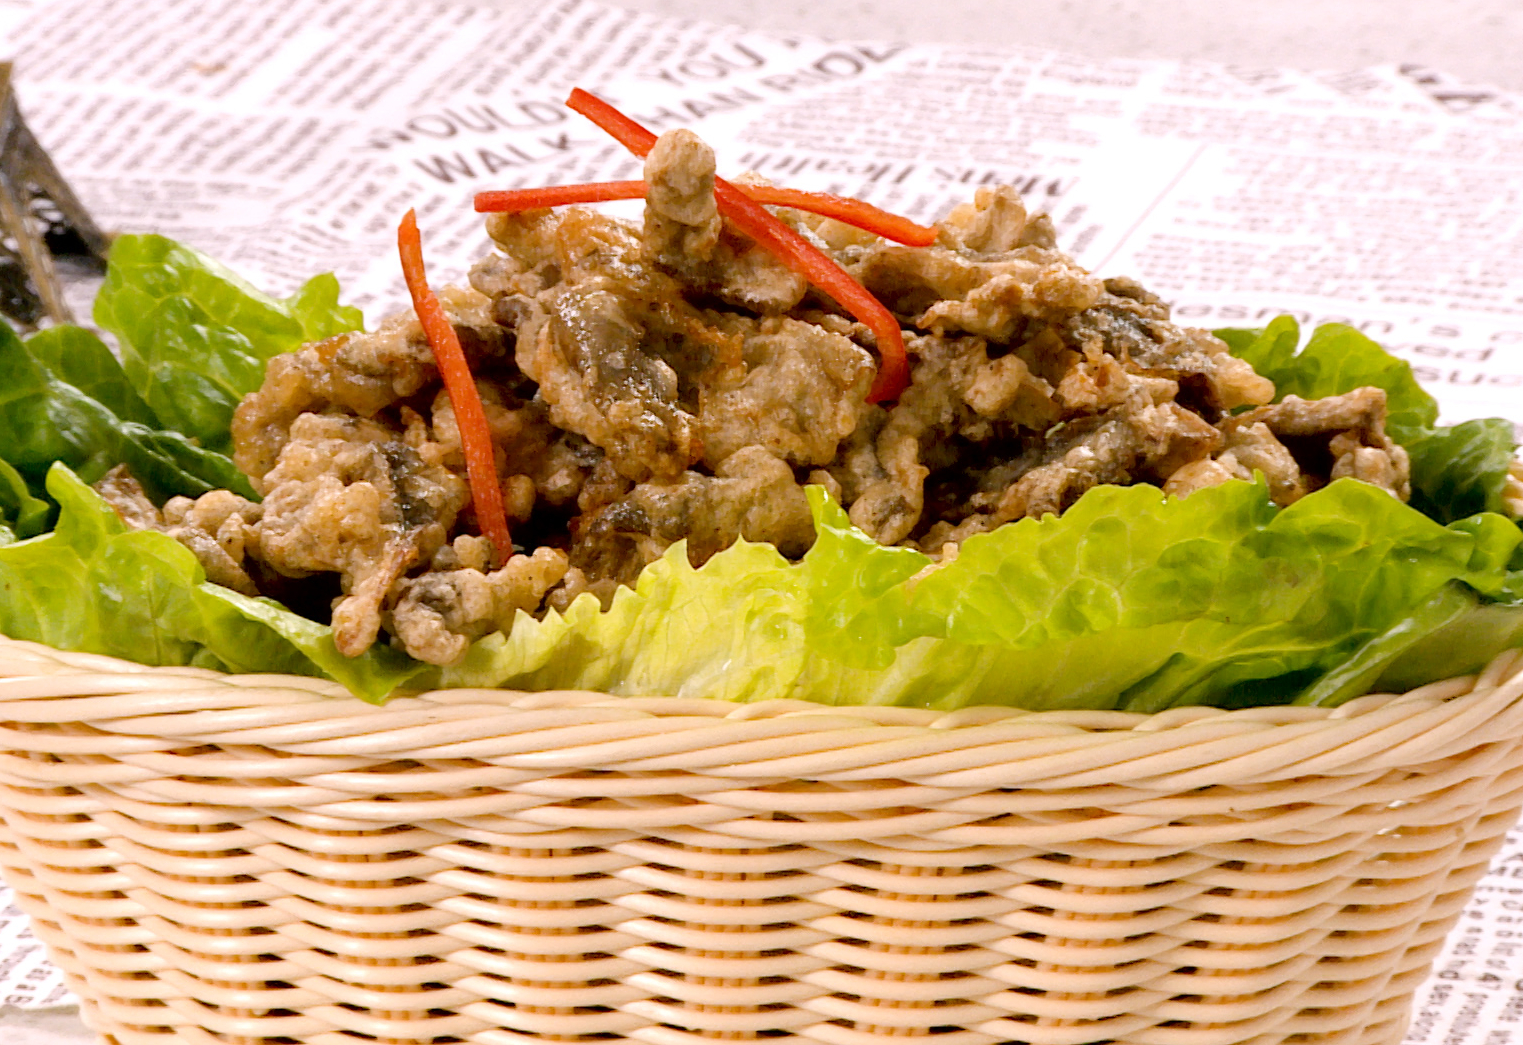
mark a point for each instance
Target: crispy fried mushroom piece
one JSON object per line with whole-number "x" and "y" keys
{"x": 357, "y": 373}
{"x": 439, "y": 614}
{"x": 1247, "y": 449}
{"x": 685, "y": 235}
{"x": 802, "y": 391}
{"x": 215, "y": 527}
{"x": 1512, "y": 490}
{"x": 347, "y": 496}
{"x": 1337, "y": 437}
{"x": 128, "y": 500}
{"x": 751, "y": 494}
{"x": 1301, "y": 445}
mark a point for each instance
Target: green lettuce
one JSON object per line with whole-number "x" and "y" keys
{"x": 1129, "y": 600}
{"x": 195, "y": 338}
{"x": 22, "y": 514}
{"x": 77, "y": 357}
{"x": 44, "y": 418}
{"x": 1461, "y": 645}
{"x": 95, "y": 586}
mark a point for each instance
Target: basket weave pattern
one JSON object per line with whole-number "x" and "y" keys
{"x": 245, "y": 860}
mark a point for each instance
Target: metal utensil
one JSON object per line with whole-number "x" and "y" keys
{"x": 40, "y": 217}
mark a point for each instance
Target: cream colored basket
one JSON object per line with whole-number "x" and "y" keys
{"x": 249, "y": 860}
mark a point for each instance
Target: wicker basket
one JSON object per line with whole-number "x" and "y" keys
{"x": 244, "y": 860}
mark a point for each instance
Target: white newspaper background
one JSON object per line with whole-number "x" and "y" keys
{"x": 286, "y": 142}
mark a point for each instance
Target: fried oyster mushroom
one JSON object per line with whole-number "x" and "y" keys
{"x": 671, "y": 381}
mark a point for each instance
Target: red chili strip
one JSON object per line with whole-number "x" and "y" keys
{"x": 787, "y": 245}
{"x": 842, "y": 208}
{"x": 475, "y": 433}
{"x": 845, "y": 209}
{"x": 512, "y": 201}
{"x": 808, "y": 261}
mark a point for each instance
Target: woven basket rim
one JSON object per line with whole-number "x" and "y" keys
{"x": 116, "y": 704}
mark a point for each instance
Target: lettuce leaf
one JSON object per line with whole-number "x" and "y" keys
{"x": 732, "y": 628}
{"x": 1460, "y": 470}
{"x": 44, "y": 419}
{"x": 195, "y": 337}
{"x": 1462, "y": 645}
{"x": 22, "y": 514}
{"x": 1456, "y": 471}
{"x": 77, "y": 357}
{"x": 1129, "y": 600}
{"x": 95, "y": 586}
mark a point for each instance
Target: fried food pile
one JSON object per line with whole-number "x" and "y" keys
{"x": 668, "y": 381}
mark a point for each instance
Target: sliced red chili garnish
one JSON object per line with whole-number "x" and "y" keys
{"x": 512, "y": 201}
{"x": 787, "y": 245}
{"x": 470, "y": 416}
{"x": 842, "y": 208}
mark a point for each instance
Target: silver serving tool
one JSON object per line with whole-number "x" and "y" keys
{"x": 40, "y": 218}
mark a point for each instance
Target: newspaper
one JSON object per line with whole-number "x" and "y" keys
{"x": 288, "y": 140}
{"x": 27, "y": 980}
